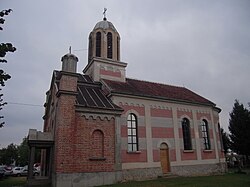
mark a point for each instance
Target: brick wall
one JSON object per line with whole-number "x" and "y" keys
{"x": 64, "y": 127}
{"x": 140, "y": 156}
{"x": 156, "y": 112}
{"x": 81, "y": 144}
{"x": 68, "y": 83}
{"x": 188, "y": 155}
{"x": 92, "y": 146}
{"x": 208, "y": 154}
{"x": 162, "y": 132}
{"x": 110, "y": 73}
{"x": 64, "y": 133}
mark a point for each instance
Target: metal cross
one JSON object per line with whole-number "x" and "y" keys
{"x": 104, "y": 13}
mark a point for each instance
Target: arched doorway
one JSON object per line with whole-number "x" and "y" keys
{"x": 164, "y": 157}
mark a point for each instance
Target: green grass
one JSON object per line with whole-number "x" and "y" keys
{"x": 12, "y": 181}
{"x": 227, "y": 180}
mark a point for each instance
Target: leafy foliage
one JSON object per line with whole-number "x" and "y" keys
{"x": 2, "y": 14}
{"x": 8, "y": 155}
{"x": 225, "y": 140}
{"x": 1, "y": 107}
{"x": 4, "y": 49}
{"x": 239, "y": 127}
{"x": 18, "y": 154}
{"x": 23, "y": 153}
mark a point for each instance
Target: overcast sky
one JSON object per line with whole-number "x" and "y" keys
{"x": 203, "y": 45}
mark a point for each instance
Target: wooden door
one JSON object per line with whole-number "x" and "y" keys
{"x": 164, "y": 157}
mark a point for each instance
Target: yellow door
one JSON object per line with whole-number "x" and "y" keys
{"x": 164, "y": 157}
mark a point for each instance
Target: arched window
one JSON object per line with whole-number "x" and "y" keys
{"x": 132, "y": 133}
{"x": 97, "y": 141}
{"x": 186, "y": 134}
{"x": 109, "y": 45}
{"x": 118, "y": 48}
{"x": 90, "y": 49}
{"x": 205, "y": 134}
{"x": 98, "y": 44}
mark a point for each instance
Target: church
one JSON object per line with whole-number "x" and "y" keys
{"x": 101, "y": 127}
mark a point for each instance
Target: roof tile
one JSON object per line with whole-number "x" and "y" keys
{"x": 156, "y": 90}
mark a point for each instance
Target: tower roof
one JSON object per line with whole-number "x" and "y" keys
{"x": 104, "y": 24}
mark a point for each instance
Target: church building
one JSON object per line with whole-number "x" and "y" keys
{"x": 101, "y": 127}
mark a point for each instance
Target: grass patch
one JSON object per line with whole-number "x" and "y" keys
{"x": 231, "y": 179}
{"x": 12, "y": 182}
{"x": 227, "y": 180}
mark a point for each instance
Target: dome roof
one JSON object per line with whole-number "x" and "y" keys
{"x": 104, "y": 24}
{"x": 69, "y": 55}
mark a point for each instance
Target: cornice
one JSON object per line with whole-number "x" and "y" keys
{"x": 102, "y": 117}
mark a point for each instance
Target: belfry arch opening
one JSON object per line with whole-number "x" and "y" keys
{"x": 109, "y": 45}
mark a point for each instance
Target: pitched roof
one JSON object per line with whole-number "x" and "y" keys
{"x": 90, "y": 94}
{"x": 156, "y": 90}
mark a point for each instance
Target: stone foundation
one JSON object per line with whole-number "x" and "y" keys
{"x": 201, "y": 169}
{"x": 141, "y": 174}
{"x": 105, "y": 178}
{"x": 87, "y": 179}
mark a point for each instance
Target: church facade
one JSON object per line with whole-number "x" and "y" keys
{"x": 107, "y": 128}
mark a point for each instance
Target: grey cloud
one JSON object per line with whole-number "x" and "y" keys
{"x": 202, "y": 45}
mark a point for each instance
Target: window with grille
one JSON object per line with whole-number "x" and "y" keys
{"x": 205, "y": 134}
{"x": 132, "y": 133}
{"x": 186, "y": 134}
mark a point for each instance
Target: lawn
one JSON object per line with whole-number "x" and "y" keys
{"x": 13, "y": 181}
{"x": 227, "y": 180}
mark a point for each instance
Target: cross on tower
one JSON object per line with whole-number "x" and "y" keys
{"x": 104, "y": 14}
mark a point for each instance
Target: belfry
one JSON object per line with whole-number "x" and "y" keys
{"x": 104, "y": 53}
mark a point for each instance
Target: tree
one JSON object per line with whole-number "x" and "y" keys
{"x": 23, "y": 153}
{"x": 239, "y": 127}
{"x": 8, "y": 155}
{"x": 225, "y": 140}
{"x": 15, "y": 154}
{"x": 18, "y": 154}
{"x": 4, "y": 49}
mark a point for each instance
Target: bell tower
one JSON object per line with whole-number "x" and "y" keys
{"x": 104, "y": 53}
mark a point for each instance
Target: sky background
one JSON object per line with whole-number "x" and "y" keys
{"x": 203, "y": 45}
